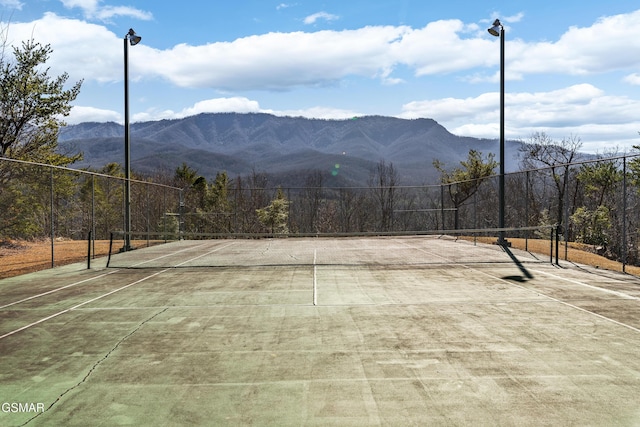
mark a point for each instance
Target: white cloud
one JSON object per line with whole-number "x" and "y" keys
{"x": 106, "y": 13}
{"x": 93, "y": 10}
{"x": 583, "y": 110}
{"x": 514, "y": 18}
{"x": 317, "y": 113}
{"x": 311, "y": 19}
{"x": 282, "y": 61}
{"x": 278, "y": 61}
{"x": 82, "y": 4}
{"x": 633, "y": 79}
{"x": 602, "y": 47}
{"x": 80, "y": 114}
{"x": 286, "y": 61}
{"x": 285, "y": 6}
{"x": 244, "y": 105}
{"x": 12, "y": 4}
{"x": 97, "y": 55}
{"x": 222, "y": 105}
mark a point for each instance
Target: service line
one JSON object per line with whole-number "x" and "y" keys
{"x": 88, "y": 280}
{"x": 56, "y": 290}
{"x": 106, "y": 294}
{"x": 81, "y": 304}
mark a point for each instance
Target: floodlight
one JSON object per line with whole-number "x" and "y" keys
{"x": 134, "y": 39}
{"x": 496, "y": 29}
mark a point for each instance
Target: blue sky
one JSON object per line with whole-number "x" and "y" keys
{"x": 572, "y": 67}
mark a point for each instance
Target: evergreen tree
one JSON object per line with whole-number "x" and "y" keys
{"x": 276, "y": 215}
{"x": 463, "y": 182}
{"x": 31, "y": 106}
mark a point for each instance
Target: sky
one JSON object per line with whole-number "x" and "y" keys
{"x": 572, "y": 67}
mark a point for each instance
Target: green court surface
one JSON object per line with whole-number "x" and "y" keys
{"x": 361, "y": 331}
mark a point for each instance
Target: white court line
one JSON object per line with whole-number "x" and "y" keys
{"x": 81, "y": 304}
{"x": 205, "y": 254}
{"x": 561, "y": 302}
{"x": 108, "y": 293}
{"x": 169, "y": 254}
{"x": 89, "y": 279}
{"x": 577, "y": 282}
{"x": 315, "y": 278}
{"x": 56, "y": 290}
{"x": 536, "y": 291}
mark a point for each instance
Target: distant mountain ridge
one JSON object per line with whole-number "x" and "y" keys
{"x": 280, "y": 146}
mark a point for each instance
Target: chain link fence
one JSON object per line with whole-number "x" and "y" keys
{"x": 594, "y": 203}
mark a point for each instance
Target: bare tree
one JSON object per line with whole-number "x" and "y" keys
{"x": 312, "y": 199}
{"x": 384, "y": 180}
{"x": 541, "y": 151}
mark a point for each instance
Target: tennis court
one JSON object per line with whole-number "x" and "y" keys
{"x": 352, "y": 331}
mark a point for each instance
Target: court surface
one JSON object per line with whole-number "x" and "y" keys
{"x": 317, "y": 332}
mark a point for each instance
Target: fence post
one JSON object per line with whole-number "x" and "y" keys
{"x": 566, "y": 213}
{"x": 180, "y": 215}
{"x": 93, "y": 213}
{"x": 148, "y": 214}
{"x": 624, "y": 214}
{"x": 551, "y": 245}
{"x": 557, "y": 245}
{"x": 53, "y": 233}
{"x": 442, "y": 204}
{"x": 164, "y": 214}
{"x": 526, "y": 213}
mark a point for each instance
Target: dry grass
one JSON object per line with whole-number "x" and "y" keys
{"x": 20, "y": 257}
{"x": 576, "y": 252}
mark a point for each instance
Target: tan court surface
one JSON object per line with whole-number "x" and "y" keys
{"x": 319, "y": 332}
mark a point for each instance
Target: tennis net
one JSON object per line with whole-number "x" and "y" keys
{"x": 379, "y": 249}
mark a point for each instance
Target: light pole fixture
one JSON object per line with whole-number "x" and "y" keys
{"x": 133, "y": 39}
{"x": 498, "y": 31}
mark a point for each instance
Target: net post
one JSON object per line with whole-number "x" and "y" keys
{"x": 110, "y": 248}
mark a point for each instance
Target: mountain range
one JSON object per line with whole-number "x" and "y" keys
{"x": 286, "y": 148}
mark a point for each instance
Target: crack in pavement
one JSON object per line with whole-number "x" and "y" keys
{"x": 95, "y": 366}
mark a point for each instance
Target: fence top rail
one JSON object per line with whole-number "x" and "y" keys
{"x": 86, "y": 172}
{"x": 394, "y": 187}
{"x": 578, "y": 163}
{"x": 444, "y": 184}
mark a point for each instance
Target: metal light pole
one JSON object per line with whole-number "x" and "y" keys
{"x": 132, "y": 39}
{"x": 498, "y": 31}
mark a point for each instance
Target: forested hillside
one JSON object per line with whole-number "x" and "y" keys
{"x": 283, "y": 147}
